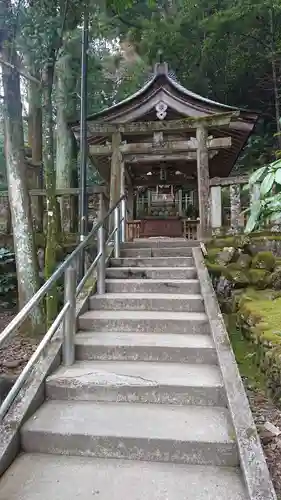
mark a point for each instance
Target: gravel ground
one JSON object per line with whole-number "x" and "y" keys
{"x": 14, "y": 356}
{"x": 265, "y": 411}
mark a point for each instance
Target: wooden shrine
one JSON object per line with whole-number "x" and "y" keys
{"x": 162, "y": 145}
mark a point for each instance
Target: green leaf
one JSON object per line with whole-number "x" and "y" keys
{"x": 251, "y": 224}
{"x": 275, "y": 216}
{"x": 254, "y": 217}
{"x": 276, "y": 163}
{"x": 267, "y": 183}
{"x": 255, "y": 177}
{"x": 277, "y": 176}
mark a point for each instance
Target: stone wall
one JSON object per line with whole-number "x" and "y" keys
{"x": 246, "y": 273}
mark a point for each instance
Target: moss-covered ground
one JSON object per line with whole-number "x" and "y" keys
{"x": 245, "y": 354}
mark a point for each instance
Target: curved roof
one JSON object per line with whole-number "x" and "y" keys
{"x": 162, "y": 78}
{"x": 180, "y": 103}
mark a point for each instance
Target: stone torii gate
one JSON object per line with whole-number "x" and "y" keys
{"x": 164, "y": 126}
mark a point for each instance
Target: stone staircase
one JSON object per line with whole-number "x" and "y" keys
{"x": 142, "y": 414}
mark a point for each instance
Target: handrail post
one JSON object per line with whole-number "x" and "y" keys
{"x": 123, "y": 221}
{"x": 101, "y": 251}
{"x": 69, "y": 325}
{"x": 117, "y": 233}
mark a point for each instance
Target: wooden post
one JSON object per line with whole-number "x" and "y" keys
{"x": 216, "y": 208}
{"x": 203, "y": 180}
{"x": 235, "y": 207}
{"x": 122, "y": 178}
{"x": 115, "y": 173}
{"x": 130, "y": 201}
{"x": 180, "y": 202}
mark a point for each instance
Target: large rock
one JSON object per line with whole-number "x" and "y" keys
{"x": 225, "y": 256}
{"x": 244, "y": 260}
{"x": 264, "y": 260}
{"x": 259, "y": 278}
{"x": 237, "y": 276}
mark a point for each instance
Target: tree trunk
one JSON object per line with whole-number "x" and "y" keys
{"x": 66, "y": 151}
{"x": 35, "y": 142}
{"x": 24, "y": 245}
{"x": 50, "y": 186}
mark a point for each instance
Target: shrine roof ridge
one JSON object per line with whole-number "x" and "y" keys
{"x": 161, "y": 71}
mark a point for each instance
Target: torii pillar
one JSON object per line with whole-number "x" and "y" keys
{"x": 203, "y": 180}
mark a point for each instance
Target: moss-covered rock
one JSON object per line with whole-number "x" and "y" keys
{"x": 221, "y": 242}
{"x": 264, "y": 260}
{"x": 259, "y": 278}
{"x": 220, "y": 256}
{"x": 236, "y": 275}
{"x": 214, "y": 269}
{"x": 244, "y": 260}
{"x": 225, "y": 256}
{"x": 212, "y": 254}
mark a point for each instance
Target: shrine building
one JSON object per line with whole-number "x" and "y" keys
{"x": 166, "y": 146}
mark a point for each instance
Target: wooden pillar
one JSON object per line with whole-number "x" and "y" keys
{"x": 235, "y": 207}
{"x": 203, "y": 180}
{"x": 130, "y": 201}
{"x": 216, "y": 208}
{"x": 180, "y": 202}
{"x": 122, "y": 178}
{"x": 115, "y": 171}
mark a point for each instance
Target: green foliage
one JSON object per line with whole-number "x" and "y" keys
{"x": 268, "y": 205}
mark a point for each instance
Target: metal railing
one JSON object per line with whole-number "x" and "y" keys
{"x": 67, "y": 316}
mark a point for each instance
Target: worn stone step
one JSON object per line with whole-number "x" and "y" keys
{"x": 180, "y": 434}
{"x": 157, "y": 252}
{"x": 138, "y": 382}
{"x": 152, "y": 262}
{"x": 144, "y": 321}
{"x": 147, "y": 302}
{"x": 160, "y": 242}
{"x": 135, "y": 252}
{"x": 38, "y": 476}
{"x": 152, "y": 286}
{"x": 172, "y": 251}
{"x": 145, "y": 347}
{"x": 164, "y": 273}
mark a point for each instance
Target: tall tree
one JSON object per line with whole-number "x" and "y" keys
{"x": 16, "y": 168}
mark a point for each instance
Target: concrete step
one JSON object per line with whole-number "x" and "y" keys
{"x": 164, "y": 273}
{"x": 152, "y": 262}
{"x": 172, "y": 252}
{"x": 138, "y": 382}
{"x": 38, "y": 476}
{"x": 147, "y": 302}
{"x": 135, "y": 252}
{"x": 160, "y": 242}
{"x": 145, "y": 347}
{"x": 144, "y": 321}
{"x": 152, "y": 286}
{"x": 157, "y": 252}
{"x": 180, "y": 434}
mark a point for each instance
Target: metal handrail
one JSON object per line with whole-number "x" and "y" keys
{"x": 25, "y": 311}
{"x": 68, "y": 312}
